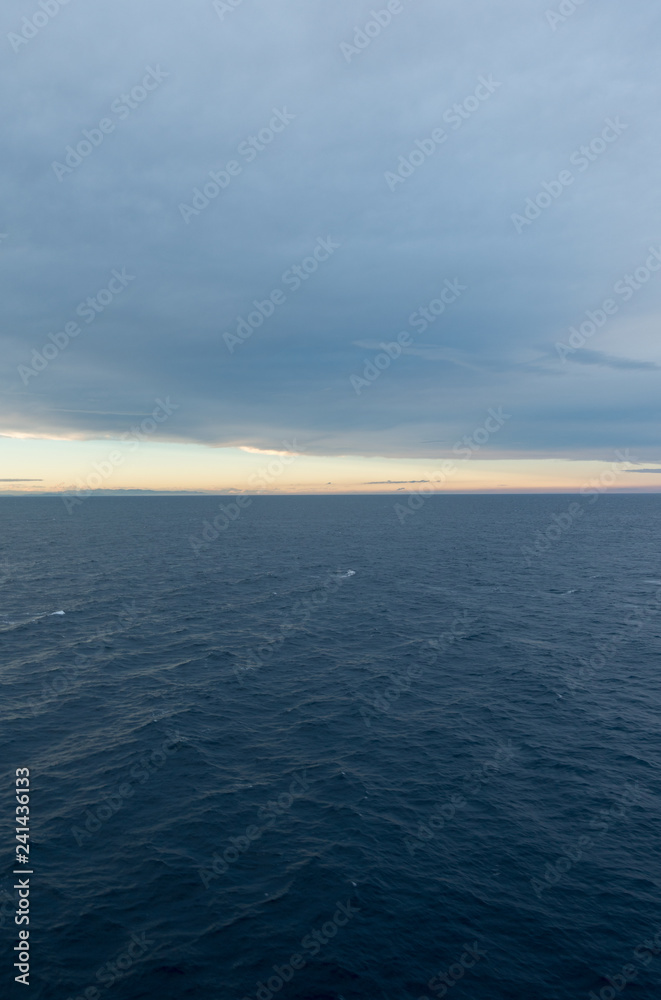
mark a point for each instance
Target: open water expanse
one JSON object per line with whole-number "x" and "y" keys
{"x": 327, "y": 754}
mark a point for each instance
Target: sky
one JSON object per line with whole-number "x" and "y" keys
{"x": 319, "y": 247}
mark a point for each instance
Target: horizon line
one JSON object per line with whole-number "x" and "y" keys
{"x": 640, "y": 491}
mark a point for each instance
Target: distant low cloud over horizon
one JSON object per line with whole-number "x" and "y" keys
{"x": 310, "y": 229}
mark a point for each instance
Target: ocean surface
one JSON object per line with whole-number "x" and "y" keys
{"x": 326, "y": 749}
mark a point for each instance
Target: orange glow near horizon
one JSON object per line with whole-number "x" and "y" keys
{"x": 39, "y": 465}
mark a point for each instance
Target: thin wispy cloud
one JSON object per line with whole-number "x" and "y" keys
{"x": 586, "y": 357}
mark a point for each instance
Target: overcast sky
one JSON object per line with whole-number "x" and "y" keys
{"x": 307, "y": 111}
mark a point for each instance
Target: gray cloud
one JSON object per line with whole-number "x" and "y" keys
{"x": 324, "y": 175}
{"x": 585, "y": 357}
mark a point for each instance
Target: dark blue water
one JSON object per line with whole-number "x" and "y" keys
{"x": 362, "y": 752}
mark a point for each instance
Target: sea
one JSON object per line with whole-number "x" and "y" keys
{"x": 332, "y": 747}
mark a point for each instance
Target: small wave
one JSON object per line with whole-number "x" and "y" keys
{"x": 534, "y": 642}
{"x": 345, "y": 576}
{"x": 8, "y": 624}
